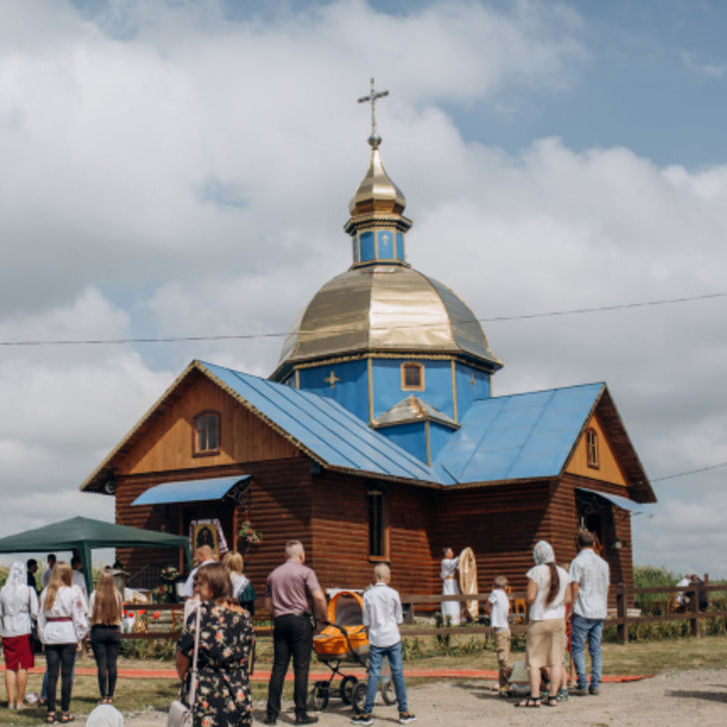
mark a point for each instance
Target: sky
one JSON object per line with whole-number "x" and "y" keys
{"x": 182, "y": 168}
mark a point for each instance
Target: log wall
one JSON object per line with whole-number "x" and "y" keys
{"x": 501, "y": 524}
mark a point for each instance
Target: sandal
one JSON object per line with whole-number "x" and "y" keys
{"x": 65, "y": 717}
{"x": 551, "y": 701}
{"x": 529, "y": 702}
{"x": 51, "y": 718}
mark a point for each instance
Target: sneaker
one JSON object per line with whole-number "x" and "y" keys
{"x": 406, "y": 717}
{"x": 580, "y": 692}
{"x": 593, "y": 691}
{"x": 362, "y": 719}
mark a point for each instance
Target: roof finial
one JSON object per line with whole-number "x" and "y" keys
{"x": 374, "y": 140}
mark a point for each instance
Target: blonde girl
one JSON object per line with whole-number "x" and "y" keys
{"x": 105, "y": 606}
{"x": 62, "y": 625}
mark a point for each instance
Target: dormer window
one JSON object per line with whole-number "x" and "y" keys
{"x": 412, "y": 377}
{"x": 592, "y": 448}
{"x": 206, "y": 434}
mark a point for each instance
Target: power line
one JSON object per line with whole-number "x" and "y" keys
{"x": 689, "y": 472}
{"x": 250, "y": 336}
{"x": 620, "y": 306}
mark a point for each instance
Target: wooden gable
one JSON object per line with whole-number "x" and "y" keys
{"x": 167, "y": 443}
{"x": 609, "y": 469}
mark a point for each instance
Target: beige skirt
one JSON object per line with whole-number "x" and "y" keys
{"x": 545, "y": 643}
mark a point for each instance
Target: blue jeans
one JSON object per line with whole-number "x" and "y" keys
{"x": 582, "y": 628}
{"x": 376, "y": 656}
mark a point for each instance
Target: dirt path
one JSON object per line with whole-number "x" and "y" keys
{"x": 685, "y": 697}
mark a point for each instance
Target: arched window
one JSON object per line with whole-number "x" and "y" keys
{"x": 412, "y": 376}
{"x": 592, "y": 448}
{"x": 378, "y": 541}
{"x": 206, "y": 433}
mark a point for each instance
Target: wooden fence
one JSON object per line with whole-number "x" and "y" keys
{"x": 621, "y": 617}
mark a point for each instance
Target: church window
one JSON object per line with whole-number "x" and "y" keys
{"x": 378, "y": 545}
{"x": 412, "y": 377}
{"x": 592, "y": 448}
{"x": 206, "y": 433}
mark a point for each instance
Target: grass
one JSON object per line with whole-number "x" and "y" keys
{"x": 134, "y": 695}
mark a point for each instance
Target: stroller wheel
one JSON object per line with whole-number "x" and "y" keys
{"x": 319, "y": 696}
{"x": 388, "y": 693}
{"x": 358, "y": 697}
{"x": 346, "y": 690}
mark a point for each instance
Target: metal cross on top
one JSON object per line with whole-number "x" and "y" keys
{"x": 372, "y": 98}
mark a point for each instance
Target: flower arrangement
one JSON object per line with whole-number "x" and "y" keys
{"x": 170, "y": 573}
{"x": 249, "y": 535}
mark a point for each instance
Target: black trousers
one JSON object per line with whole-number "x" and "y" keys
{"x": 106, "y": 642}
{"x": 63, "y": 656}
{"x": 292, "y": 635}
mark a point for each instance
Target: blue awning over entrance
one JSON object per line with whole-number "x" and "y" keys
{"x": 190, "y": 490}
{"x": 622, "y": 502}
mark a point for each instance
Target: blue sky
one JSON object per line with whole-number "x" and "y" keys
{"x": 184, "y": 168}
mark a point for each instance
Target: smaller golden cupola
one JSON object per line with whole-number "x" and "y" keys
{"x": 377, "y": 224}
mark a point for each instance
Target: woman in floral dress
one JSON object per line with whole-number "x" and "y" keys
{"x": 225, "y": 649}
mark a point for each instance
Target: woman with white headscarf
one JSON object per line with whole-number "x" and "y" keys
{"x": 547, "y": 595}
{"x": 18, "y": 606}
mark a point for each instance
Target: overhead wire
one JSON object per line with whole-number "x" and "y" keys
{"x": 251, "y": 336}
{"x": 689, "y": 472}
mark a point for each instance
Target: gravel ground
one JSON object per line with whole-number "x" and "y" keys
{"x": 697, "y": 697}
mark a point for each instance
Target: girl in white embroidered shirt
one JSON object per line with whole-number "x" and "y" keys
{"x": 62, "y": 625}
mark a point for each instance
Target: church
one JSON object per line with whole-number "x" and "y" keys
{"x": 377, "y": 438}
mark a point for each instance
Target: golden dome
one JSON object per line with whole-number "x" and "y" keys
{"x": 376, "y": 191}
{"x": 387, "y": 309}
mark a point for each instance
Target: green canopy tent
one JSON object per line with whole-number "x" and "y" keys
{"x": 83, "y": 534}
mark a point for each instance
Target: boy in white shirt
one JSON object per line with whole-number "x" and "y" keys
{"x": 498, "y": 608}
{"x": 382, "y": 615}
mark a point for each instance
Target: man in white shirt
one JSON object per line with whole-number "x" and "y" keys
{"x": 589, "y": 577}
{"x": 204, "y": 555}
{"x": 45, "y": 575}
{"x": 382, "y": 614}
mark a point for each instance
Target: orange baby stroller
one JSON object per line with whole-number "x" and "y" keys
{"x": 344, "y": 640}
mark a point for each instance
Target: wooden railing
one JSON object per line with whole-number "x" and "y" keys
{"x": 622, "y": 618}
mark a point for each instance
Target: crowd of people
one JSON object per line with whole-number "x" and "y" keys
{"x": 60, "y": 618}
{"x": 566, "y": 612}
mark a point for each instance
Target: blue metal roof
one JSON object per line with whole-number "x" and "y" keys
{"x": 519, "y": 436}
{"x": 189, "y": 490}
{"x": 323, "y": 427}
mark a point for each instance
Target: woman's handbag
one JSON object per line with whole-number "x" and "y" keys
{"x": 180, "y": 714}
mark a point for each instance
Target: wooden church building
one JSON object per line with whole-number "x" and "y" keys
{"x": 377, "y": 438}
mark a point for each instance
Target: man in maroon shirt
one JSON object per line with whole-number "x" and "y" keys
{"x": 288, "y": 594}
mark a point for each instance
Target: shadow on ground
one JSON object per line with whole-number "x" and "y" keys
{"x": 696, "y": 694}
